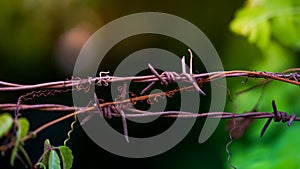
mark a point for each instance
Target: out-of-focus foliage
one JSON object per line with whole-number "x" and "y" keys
{"x": 273, "y": 27}
{"x": 276, "y": 153}
{"x": 267, "y": 21}
{"x": 30, "y": 32}
{"x": 6, "y": 121}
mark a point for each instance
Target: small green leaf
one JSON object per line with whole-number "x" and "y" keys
{"x": 15, "y": 149}
{"x": 67, "y": 157}
{"x": 6, "y": 121}
{"x": 41, "y": 164}
{"x": 54, "y": 161}
{"x": 47, "y": 145}
{"x": 24, "y": 126}
{"x": 247, "y": 19}
{"x": 46, "y": 158}
{"x": 47, "y": 148}
{"x": 253, "y": 23}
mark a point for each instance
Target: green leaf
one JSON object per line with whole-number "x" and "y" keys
{"x": 47, "y": 148}
{"x": 21, "y": 132}
{"x": 276, "y": 6}
{"x": 254, "y": 24}
{"x": 54, "y": 161}
{"x": 47, "y": 145}
{"x": 46, "y": 158}
{"x": 262, "y": 35}
{"x": 6, "y": 121}
{"x": 286, "y": 30}
{"x": 246, "y": 20}
{"x": 24, "y": 126}
{"x": 41, "y": 164}
{"x": 258, "y": 20}
{"x": 15, "y": 149}
{"x": 67, "y": 157}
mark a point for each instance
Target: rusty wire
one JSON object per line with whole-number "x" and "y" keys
{"x": 108, "y": 109}
{"x": 121, "y": 107}
{"x": 293, "y": 77}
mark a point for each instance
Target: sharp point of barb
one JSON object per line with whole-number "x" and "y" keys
{"x": 191, "y": 61}
{"x": 278, "y": 116}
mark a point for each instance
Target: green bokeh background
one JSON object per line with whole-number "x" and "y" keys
{"x": 40, "y": 40}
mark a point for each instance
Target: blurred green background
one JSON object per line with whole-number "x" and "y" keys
{"x": 40, "y": 40}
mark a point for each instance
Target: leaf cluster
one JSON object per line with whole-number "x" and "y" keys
{"x": 13, "y": 130}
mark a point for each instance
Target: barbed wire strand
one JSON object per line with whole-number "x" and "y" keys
{"x": 292, "y": 78}
{"x": 215, "y": 76}
{"x": 109, "y": 110}
{"x": 170, "y": 114}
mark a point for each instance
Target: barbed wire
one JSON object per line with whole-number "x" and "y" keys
{"x": 289, "y": 76}
{"x": 108, "y": 109}
{"x": 77, "y": 82}
{"x": 123, "y": 107}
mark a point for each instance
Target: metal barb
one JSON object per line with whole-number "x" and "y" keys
{"x": 163, "y": 82}
{"x": 278, "y": 116}
{"x": 183, "y": 65}
{"x": 293, "y": 116}
{"x": 191, "y": 61}
{"x": 147, "y": 88}
{"x": 194, "y": 83}
{"x": 170, "y": 78}
{"x": 125, "y": 129}
{"x": 263, "y": 130}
